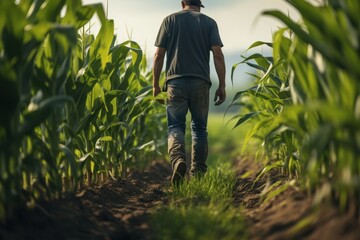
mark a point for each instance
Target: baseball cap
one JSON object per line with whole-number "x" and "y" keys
{"x": 193, "y": 2}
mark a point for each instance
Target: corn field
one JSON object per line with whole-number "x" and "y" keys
{"x": 75, "y": 108}
{"x": 305, "y": 106}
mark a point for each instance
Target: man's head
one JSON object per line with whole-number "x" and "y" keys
{"x": 196, "y": 3}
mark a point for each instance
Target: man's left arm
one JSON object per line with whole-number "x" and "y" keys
{"x": 219, "y": 61}
{"x": 157, "y": 68}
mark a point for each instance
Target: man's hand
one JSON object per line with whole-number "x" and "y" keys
{"x": 156, "y": 90}
{"x": 220, "y": 96}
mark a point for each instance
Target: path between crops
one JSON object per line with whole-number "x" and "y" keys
{"x": 122, "y": 210}
{"x": 114, "y": 210}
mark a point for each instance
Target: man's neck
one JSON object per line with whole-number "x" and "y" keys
{"x": 192, "y": 8}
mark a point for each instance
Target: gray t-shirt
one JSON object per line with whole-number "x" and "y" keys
{"x": 188, "y": 37}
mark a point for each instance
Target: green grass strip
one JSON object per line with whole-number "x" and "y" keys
{"x": 215, "y": 187}
{"x": 202, "y": 209}
{"x": 208, "y": 222}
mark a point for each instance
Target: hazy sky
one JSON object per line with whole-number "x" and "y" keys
{"x": 240, "y": 24}
{"x": 239, "y": 21}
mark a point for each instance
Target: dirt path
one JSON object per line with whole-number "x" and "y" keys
{"x": 281, "y": 217}
{"x": 114, "y": 210}
{"x": 122, "y": 210}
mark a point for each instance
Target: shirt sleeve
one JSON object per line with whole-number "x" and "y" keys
{"x": 162, "y": 37}
{"x": 215, "y": 39}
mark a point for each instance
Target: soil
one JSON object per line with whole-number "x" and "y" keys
{"x": 114, "y": 210}
{"x": 291, "y": 214}
{"x": 122, "y": 210}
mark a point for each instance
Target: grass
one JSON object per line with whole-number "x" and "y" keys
{"x": 203, "y": 208}
{"x": 216, "y": 187}
{"x": 199, "y": 222}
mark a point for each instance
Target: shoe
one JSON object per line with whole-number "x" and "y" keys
{"x": 178, "y": 174}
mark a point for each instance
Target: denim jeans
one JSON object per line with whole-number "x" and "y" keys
{"x": 183, "y": 94}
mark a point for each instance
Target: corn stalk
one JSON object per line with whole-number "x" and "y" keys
{"x": 306, "y": 102}
{"x": 77, "y": 108}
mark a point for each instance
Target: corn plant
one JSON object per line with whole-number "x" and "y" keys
{"x": 305, "y": 106}
{"x": 76, "y": 108}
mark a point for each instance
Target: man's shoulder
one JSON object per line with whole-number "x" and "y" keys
{"x": 181, "y": 14}
{"x": 208, "y": 18}
{"x": 174, "y": 15}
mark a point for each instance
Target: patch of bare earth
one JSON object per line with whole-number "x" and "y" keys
{"x": 289, "y": 215}
{"x": 121, "y": 210}
{"x": 115, "y": 210}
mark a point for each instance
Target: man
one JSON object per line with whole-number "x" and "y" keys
{"x": 187, "y": 37}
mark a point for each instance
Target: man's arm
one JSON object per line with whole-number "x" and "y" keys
{"x": 219, "y": 61}
{"x": 157, "y": 68}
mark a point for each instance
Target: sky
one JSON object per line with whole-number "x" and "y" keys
{"x": 240, "y": 22}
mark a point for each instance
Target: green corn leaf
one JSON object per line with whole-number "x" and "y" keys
{"x": 267, "y": 72}
{"x": 137, "y": 56}
{"x": 138, "y": 148}
{"x": 233, "y": 70}
{"x": 267, "y": 169}
{"x": 24, "y": 5}
{"x": 119, "y": 54}
{"x": 260, "y": 59}
{"x": 86, "y": 157}
{"x": 38, "y": 31}
{"x": 70, "y": 156}
{"x": 245, "y": 118}
{"x": 87, "y": 119}
{"x": 99, "y": 9}
{"x": 50, "y": 11}
{"x": 260, "y": 43}
{"x": 13, "y": 31}
{"x": 41, "y": 112}
{"x": 66, "y": 36}
{"x": 103, "y": 129}
{"x": 278, "y": 131}
{"x": 238, "y": 94}
{"x": 102, "y": 139}
{"x": 101, "y": 46}
{"x": 325, "y": 49}
{"x": 79, "y": 15}
{"x": 277, "y": 191}
{"x": 251, "y": 133}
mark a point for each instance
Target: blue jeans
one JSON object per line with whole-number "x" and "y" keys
{"x": 183, "y": 94}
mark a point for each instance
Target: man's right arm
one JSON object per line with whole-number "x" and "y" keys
{"x": 157, "y": 68}
{"x": 219, "y": 62}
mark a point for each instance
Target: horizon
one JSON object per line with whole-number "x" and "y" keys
{"x": 239, "y": 27}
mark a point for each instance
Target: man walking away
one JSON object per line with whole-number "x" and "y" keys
{"x": 186, "y": 38}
